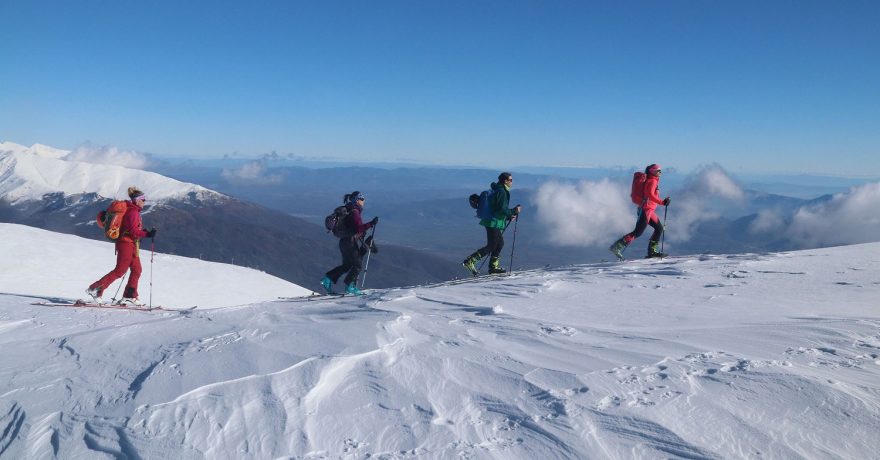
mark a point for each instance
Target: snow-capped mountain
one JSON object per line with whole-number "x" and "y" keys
{"x": 30, "y": 173}
{"x": 36, "y": 149}
{"x": 712, "y": 356}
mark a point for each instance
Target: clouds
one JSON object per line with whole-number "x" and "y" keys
{"x": 597, "y": 213}
{"x": 585, "y": 214}
{"x": 847, "y": 218}
{"x": 704, "y": 193}
{"x": 768, "y": 221}
{"x": 253, "y": 173}
{"x": 111, "y": 155}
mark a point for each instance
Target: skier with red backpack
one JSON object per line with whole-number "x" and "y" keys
{"x": 126, "y": 231}
{"x": 646, "y": 194}
{"x": 350, "y": 229}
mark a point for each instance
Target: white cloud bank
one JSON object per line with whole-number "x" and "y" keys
{"x": 109, "y": 155}
{"x": 254, "y": 172}
{"x": 597, "y": 213}
{"x": 704, "y": 193}
{"x": 848, "y": 218}
{"x": 585, "y": 214}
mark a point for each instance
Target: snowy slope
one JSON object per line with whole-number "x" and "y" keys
{"x": 29, "y": 173}
{"x": 737, "y": 356}
{"x": 41, "y": 263}
{"x": 36, "y": 149}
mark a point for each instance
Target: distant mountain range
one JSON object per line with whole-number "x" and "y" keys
{"x": 38, "y": 187}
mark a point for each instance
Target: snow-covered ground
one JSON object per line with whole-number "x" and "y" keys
{"x": 35, "y": 262}
{"x": 733, "y": 356}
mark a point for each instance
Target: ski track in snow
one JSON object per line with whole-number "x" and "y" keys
{"x": 715, "y": 356}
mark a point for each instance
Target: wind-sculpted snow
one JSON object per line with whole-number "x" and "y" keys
{"x": 744, "y": 356}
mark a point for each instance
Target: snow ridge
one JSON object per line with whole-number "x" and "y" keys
{"x": 52, "y": 265}
{"x": 713, "y": 356}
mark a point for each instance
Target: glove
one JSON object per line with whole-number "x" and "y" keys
{"x": 666, "y": 201}
{"x": 152, "y": 233}
{"x": 375, "y": 221}
{"x": 370, "y": 244}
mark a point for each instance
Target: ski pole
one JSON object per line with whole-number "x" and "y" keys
{"x": 663, "y": 235}
{"x": 369, "y": 251}
{"x": 487, "y": 258}
{"x": 513, "y": 245}
{"x": 113, "y": 300}
{"x": 152, "y": 253}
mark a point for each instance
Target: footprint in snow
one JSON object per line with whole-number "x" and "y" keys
{"x": 564, "y": 330}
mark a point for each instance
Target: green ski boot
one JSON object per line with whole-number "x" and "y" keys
{"x": 617, "y": 248}
{"x": 654, "y": 250}
{"x": 495, "y": 267}
{"x": 470, "y": 264}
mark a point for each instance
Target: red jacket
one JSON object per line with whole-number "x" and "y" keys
{"x": 131, "y": 229}
{"x": 652, "y": 193}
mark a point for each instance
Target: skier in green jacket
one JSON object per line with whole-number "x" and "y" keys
{"x": 501, "y": 215}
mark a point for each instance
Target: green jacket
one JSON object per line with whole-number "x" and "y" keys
{"x": 499, "y": 203}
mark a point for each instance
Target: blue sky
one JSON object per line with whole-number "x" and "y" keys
{"x": 787, "y": 86}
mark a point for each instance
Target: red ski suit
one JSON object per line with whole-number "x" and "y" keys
{"x": 127, "y": 245}
{"x": 652, "y": 197}
{"x": 648, "y": 216}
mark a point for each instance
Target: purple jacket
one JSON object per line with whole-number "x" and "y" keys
{"x": 355, "y": 222}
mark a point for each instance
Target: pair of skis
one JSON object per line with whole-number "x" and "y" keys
{"x": 623, "y": 259}
{"x": 79, "y": 303}
{"x": 318, "y": 297}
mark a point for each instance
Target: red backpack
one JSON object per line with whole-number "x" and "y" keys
{"x": 637, "y": 195}
{"x": 111, "y": 219}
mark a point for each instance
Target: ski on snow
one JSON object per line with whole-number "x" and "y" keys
{"x": 84, "y": 304}
{"x": 317, "y": 297}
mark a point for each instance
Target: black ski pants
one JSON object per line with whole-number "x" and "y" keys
{"x": 642, "y": 224}
{"x": 494, "y": 242}
{"x": 352, "y": 261}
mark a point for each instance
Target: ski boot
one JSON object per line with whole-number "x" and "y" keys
{"x": 470, "y": 264}
{"x": 95, "y": 294}
{"x": 654, "y": 250}
{"x": 495, "y": 267}
{"x": 328, "y": 285}
{"x": 131, "y": 302}
{"x": 352, "y": 289}
{"x": 617, "y": 248}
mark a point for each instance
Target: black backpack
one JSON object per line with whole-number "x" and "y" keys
{"x": 336, "y": 223}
